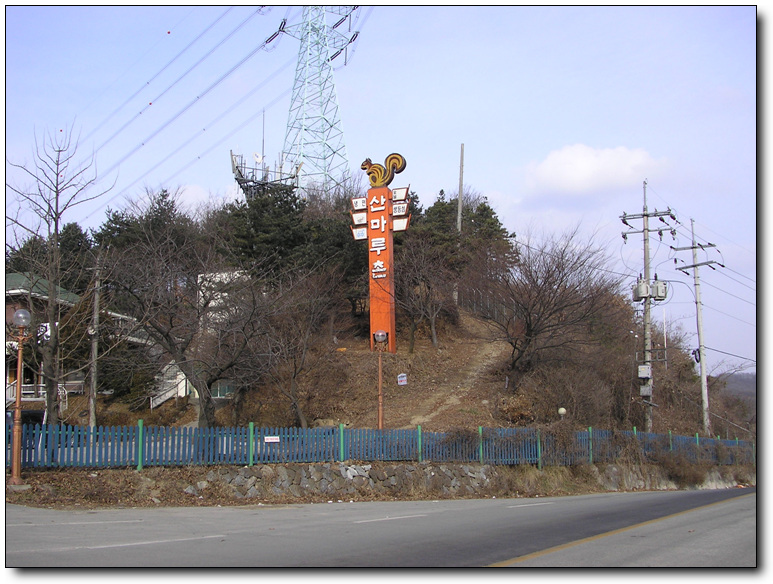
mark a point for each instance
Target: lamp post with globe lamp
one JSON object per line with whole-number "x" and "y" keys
{"x": 381, "y": 338}
{"x": 21, "y": 319}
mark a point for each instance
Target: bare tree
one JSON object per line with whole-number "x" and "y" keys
{"x": 547, "y": 305}
{"x": 297, "y": 329}
{"x": 59, "y": 184}
{"x": 183, "y": 287}
{"x": 423, "y": 284}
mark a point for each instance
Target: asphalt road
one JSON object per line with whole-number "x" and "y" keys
{"x": 663, "y": 529}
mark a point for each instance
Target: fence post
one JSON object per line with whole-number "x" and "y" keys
{"x": 480, "y": 443}
{"x": 634, "y": 432}
{"x": 670, "y": 442}
{"x": 539, "y": 451}
{"x": 251, "y": 443}
{"x": 736, "y": 458}
{"x": 340, "y": 442}
{"x": 590, "y": 445}
{"x": 418, "y": 440}
{"x": 140, "y": 442}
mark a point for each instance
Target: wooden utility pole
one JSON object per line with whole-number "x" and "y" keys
{"x": 461, "y": 187}
{"x": 455, "y": 292}
{"x": 94, "y": 332}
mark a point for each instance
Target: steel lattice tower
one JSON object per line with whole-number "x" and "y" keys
{"x": 315, "y": 136}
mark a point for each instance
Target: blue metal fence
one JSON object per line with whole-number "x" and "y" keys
{"x": 138, "y": 446}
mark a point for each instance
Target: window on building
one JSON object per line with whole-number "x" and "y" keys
{"x": 222, "y": 388}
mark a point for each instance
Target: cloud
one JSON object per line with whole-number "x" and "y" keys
{"x": 583, "y": 171}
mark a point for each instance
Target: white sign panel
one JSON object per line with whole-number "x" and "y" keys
{"x": 402, "y": 379}
{"x": 399, "y": 209}
{"x": 360, "y": 218}
{"x": 400, "y": 194}
{"x": 360, "y": 203}
{"x": 271, "y": 439}
{"x": 400, "y": 224}
{"x": 360, "y": 233}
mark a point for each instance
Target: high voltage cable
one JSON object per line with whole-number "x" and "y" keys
{"x": 740, "y": 274}
{"x": 704, "y": 226}
{"x": 743, "y": 276}
{"x": 555, "y": 257}
{"x": 197, "y": 98}
{"x": 730, "y": 315}
{"x": 730, "y": 294}
{"x": 680, "y": 227}
{"x": 196, "y": 64}
{"x": 727, "y": 238}
{"x": 211, "y": 123}
{"x": 737, "y": 282}
{"x": 731, "y": 354}
{"x": 130, "y": 67}
{"x": 149, "y": 81}
{"x": 224, "y": 138}
{"x": 271, "y": 38}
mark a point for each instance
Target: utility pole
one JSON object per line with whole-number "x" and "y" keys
{"x": 461, "y": 186}
{"x": 646, "y": 290}
{"x": 701, "y": 357}
{"x": 459, "y": 216}
{"x": 94, "y": 332}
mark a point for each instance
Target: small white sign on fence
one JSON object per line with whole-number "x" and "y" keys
{"x": 402, "y": 379}
{"x": 271, "y": 439}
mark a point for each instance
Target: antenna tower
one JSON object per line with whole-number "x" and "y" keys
{"x": 314, "y": 140}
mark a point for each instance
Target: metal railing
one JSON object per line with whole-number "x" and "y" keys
{"x": 37, "y": 391}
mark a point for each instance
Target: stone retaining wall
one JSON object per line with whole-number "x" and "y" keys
{"x": 341, "y": 480}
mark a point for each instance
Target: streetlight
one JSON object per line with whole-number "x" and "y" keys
{"x": 562, "y": 412}
{"x": 380, "y": 337}
{"x": 21, "y": 319}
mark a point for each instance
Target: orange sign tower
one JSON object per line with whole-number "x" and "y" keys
{"x": 375, "y": 218}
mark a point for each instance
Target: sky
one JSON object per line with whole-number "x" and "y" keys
{"x": 564, "y": 113}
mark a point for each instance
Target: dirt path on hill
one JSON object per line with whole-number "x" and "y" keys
{"x": 470, "y": 362}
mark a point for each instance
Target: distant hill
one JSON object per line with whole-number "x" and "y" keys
{"x": 742, "y": 385}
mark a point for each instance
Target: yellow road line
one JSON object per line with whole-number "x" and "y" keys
{"x": 519, "y": 559}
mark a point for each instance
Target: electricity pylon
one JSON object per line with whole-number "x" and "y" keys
{"x": 314, "y": 140}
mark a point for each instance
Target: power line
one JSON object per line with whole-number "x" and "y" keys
{"x": 740, "y": 283}
{"x": 197, "y": 98}
{"x": 730, "y": 294}
{"x": 224, "y": 138}
{"x": 149, "y": 81}
{"x": 731, "y": 354}
{"x": 129, "y": 68}
{"x": 199, "y": 156}
{"x": 740, "y": 274}
{"x": 204, "y": 129}
{"x": 730, "y": 315}
{"x": 180, "y": 78}
{"x": 543, "y": 252}
{"x": 706, "y": 228}
{"x": 728, "y": 239}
